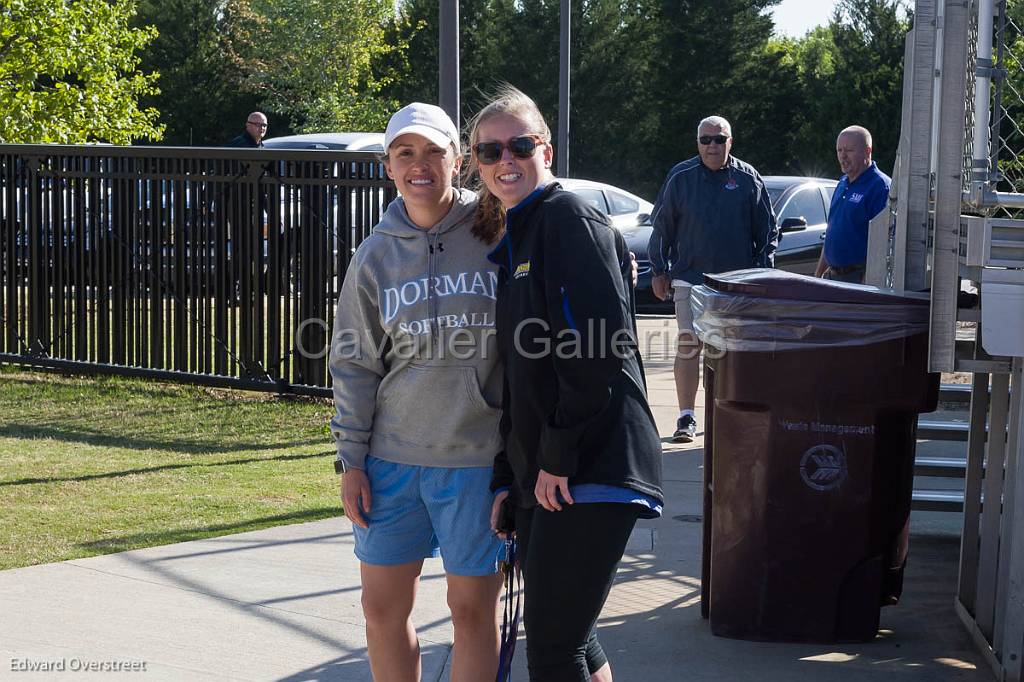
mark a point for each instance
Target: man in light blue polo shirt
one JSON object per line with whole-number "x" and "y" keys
{"x": 862, "y": 193}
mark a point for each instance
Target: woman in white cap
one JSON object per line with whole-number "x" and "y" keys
{"x": 417, "y": 387}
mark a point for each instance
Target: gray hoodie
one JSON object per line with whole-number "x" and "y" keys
{"x": 417, "y": 379}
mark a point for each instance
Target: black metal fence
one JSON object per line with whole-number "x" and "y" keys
{"x": 216, "y": 266}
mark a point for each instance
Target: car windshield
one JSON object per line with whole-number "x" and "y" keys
{"x": 774, "y": 193}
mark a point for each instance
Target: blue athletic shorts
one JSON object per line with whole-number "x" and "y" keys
{"x": 419, "y": 512}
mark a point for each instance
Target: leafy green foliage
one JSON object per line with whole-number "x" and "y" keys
{"x": 617, "y": 57}
{"x": 201, "y": 101}
{"x": 69, "y": 72}
{"x": 714, "y": 61}
{"x": 313, "y": 60}
{"x": 1011, "y": 128}
{"x": 851, "y": 72}
{"x": 645, "y": 72}
{"x": 310, "y": 66}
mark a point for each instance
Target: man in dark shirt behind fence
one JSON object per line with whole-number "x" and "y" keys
{"x": 255, "y": 129}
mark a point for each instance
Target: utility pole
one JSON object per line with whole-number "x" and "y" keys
{"x": 562, "y": 168}
{"x": 448, "y": 62}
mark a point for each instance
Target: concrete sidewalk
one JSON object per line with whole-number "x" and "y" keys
{"x": 283, "y": 604}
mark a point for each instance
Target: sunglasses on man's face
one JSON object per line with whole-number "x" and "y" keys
{"x": 488, "y": 153}
{"x": 717, "y": 139}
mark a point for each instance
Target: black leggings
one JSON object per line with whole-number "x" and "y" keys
{"x": 569, "y": 560}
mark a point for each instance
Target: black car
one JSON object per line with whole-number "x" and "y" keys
{"x": 801, "y": 208}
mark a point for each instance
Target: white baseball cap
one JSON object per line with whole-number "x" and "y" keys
{"x": 427, "y": 120}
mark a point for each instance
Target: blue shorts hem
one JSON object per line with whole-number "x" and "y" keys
{"x": 395, "y": 561}
{"x": 421, "y": 512}
{"x": 470, "y": 572}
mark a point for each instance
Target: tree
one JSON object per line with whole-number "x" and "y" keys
{"x": 313, "y": 60}
{"x": 614, "y": 117}
{"x": 1010, "y": 143}
{"x": 495, "y": 47}
{"x": 714, "y": 60}
{"x": 814, "y": 57}
{"x": 69, "y": 72}
{"x": 852, "y": 73}
{"x": 645, "y": 72}
{"x": 201, "y": 100}
{"x": 767, "y": 105}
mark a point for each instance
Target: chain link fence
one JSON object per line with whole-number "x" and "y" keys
{"x": 969, "y": 109}
{"x": 1006, "y": 154}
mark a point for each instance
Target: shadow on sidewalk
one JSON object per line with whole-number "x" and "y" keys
{"x": 651, "y": 625}
{"x": 114, "y": 544}
{"x": 354, "y": 667}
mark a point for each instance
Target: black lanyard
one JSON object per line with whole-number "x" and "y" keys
{"x": 510, "y": 618}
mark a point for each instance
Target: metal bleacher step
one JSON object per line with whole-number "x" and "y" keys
{"x": 927, "y": 466}
{"x": 931, "y": 429}
{"x": 938, "y": 429}
{"x": 938, "y": 500}
{"x": 955, "y": 393}
{"x": 940, "y": 467}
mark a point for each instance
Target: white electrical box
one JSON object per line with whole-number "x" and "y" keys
{"x": 991, "y": 242}
{"x": 1002, "y": 312}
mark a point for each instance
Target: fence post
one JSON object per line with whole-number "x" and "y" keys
{"x": 39, "y": 254}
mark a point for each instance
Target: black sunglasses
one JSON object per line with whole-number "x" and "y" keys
{"x": 520, "y": 147}
{"x": 708, "y": 139}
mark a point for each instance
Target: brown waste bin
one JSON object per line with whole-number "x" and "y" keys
{"x": 812, "y": 389}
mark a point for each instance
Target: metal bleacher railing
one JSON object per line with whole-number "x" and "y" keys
{"x": 956, "y": 230}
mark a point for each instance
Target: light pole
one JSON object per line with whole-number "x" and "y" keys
{"x": 562, "y": 166}
{"x": 448, "y": 59}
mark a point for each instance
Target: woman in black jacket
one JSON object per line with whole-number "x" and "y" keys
{"x": 582, "y": 456}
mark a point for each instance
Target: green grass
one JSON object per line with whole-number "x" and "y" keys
{"x": 92, "y": 466}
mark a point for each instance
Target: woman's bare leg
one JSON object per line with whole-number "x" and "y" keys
{"x": 473, "y": 601}
{"x": 388, "y": 596}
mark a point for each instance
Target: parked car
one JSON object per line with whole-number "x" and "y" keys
{"x": 801, "y": 209}
{"x": 353, "y": 142}
{"x": 625, "y": 210}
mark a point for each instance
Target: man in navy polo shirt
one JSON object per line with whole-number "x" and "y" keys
{"x": 862, "y": 193}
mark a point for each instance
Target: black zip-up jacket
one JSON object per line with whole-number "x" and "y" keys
{"x": 572, "y": 406}
{"x": 245, "y": 140}
{"x": 712, "y": 221}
